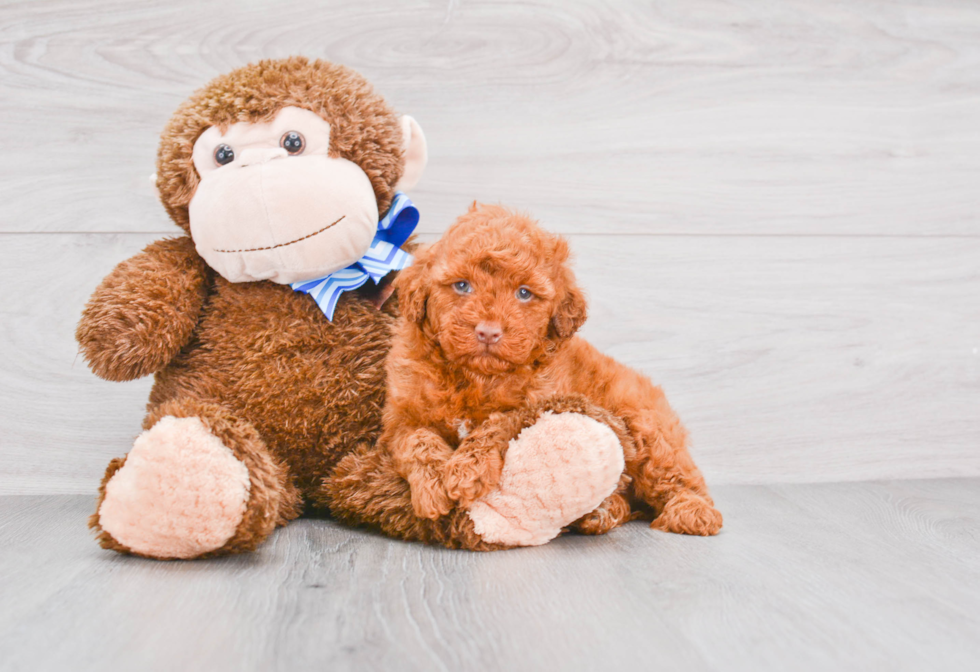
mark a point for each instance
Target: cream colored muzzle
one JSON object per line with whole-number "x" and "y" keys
{"x": 270, "y": 216}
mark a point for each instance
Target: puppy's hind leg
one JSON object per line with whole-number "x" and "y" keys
{"x": 613, "y": 512}
{"x": 666, "y": 478}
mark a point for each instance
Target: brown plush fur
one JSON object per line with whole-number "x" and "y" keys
{"x": 288, "y": 391}
{"x": 440, "y": 374}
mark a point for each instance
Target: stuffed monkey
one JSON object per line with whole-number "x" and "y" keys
{"x": 265, "y": 325}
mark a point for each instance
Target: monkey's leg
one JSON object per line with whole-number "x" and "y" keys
{"x": 512, "y": 487}
{"x": 527, "y": 474}
{"x": 666, "y": 478}
{"x": 365, "y": 489}
{"x": 198, "y": 482}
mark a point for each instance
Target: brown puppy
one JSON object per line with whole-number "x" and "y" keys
{"x": 489, "y": 314}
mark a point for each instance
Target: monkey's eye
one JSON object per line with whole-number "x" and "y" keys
{"x": 223, "y": 154}
{"x": 462, "y": 287}
{"x": 524, "y": 294}
{"x": 293, "y": 142}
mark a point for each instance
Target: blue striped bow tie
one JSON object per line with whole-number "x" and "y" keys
{"x": 383, "y": 257}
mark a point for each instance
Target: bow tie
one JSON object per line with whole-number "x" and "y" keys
{"x": 383, "y": 257}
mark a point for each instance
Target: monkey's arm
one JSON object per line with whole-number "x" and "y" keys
{"x": 144, "y": 311}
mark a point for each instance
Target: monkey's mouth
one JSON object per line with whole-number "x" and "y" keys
{"x": 272, "y": 247}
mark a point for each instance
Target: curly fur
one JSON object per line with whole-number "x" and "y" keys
{"x": 440, "y": 375}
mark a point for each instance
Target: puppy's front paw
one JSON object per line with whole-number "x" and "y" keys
{"x": 470, "y": 475}
{"x": 689, "y": 513}
{"x": 429, "y": 498}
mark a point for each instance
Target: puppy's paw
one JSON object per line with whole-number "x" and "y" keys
{"x": 429, "y": 498}
{"x": 689, "y": 513}
{"x": 469, "y": 475}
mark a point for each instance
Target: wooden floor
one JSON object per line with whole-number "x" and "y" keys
{"x": 775, "y": 212}
{"x": 869, "y": 576}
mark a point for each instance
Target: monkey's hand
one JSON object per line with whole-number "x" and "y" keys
{"x": 144, "y": 311}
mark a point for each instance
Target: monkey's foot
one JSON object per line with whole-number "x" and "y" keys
{"x": 557, "y": 470}
{"x": 180, "y": 493}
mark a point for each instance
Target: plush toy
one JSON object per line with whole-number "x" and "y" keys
{"x": 266, "y": 326}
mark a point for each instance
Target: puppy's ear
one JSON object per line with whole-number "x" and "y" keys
{"x": 571, "y": 309}
{"x": 570, "y": 313}
{"x": 412, "y": 287}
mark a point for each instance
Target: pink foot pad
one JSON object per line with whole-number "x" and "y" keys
{"x": 555, "y": 472}
{"x": 181, "y": 493}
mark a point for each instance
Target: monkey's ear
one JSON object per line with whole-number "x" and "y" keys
{"x": 155, "y": 186}
{"x": 415, "y": 152}
{"x": 412, "y": 287}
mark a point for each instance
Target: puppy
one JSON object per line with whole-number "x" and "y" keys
{"x": 489, "y": 317}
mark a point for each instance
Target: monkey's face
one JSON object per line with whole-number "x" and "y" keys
{"x": 272, "y": 204}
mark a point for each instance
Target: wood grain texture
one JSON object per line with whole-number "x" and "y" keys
{"x": 882, "y": 575}
{"x": 790, "y": 359}
{"x": 707, "y": 116}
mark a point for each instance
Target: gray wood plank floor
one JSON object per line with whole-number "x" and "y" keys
{"x": 861, "y": 576}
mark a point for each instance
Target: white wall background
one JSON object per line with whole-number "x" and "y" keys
{"x": 775, "y": 206}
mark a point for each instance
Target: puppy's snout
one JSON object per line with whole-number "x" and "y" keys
{"x": 488, "y": 332}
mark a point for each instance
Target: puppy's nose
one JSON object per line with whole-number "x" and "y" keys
{"x": 488, "y": 332}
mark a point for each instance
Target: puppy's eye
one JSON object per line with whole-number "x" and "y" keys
{"x": 223, "y": 154}
{"x": 524, "y": 294}
{"x": 462, "y": 287}
{"x": 293, "y": 142}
